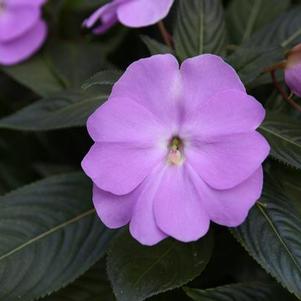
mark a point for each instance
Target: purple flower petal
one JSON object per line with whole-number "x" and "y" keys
{"x": 108, "y": 21}
{"x": 154, "y": 83}
{"x": 230, "y": 207}
{"x": 114, "y": 211}
{"x": 135, "y": 207}
{"x": 178, "y": 209}
{"x": 25, "y": 2}
{"x": 204, "y": 76}
{"x": 229, "y": 160}
{"x": 16, "y": 21}
{"x": 124, "y": 120}
{"x": 143, "y": 225}
{"x": 143, "y": 12}
{"x": 106, "y": 15}
{"x": 23, "y": 47}
{"x": 120, "y": 167}
{"x": 227, "y": 112}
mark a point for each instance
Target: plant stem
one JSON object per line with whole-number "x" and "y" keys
{"x": 167, "y": 38}
{"x": 280, "y": 65}
{"x": 283, "y": 93}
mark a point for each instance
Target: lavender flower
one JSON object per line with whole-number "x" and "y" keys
{"x": 131, "y": 13}
{"x": 175, "y": 149}
{"x": 22, "y": 31}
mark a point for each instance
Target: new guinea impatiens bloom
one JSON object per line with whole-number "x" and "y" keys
{"x": 22, "y": 31}
{"x": 176, "y": 148}
{"x": 293, "y": 70}
{"x": 131, "y": 13}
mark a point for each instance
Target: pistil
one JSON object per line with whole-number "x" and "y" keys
{"x": 175, "y": 155}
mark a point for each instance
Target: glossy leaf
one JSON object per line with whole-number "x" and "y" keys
{"x": 155, "y": 47}
{"x": 66, "y": 109}
{"x": 102, "y": 78}
{"x": 271, "y": 235}
{"x": 92, "y": 286}
{"x": 284, "y": 136}
{"x": 49, "y": 235}
{"x": 76, "y": 61}
{"x": 59, "y": 66}
{"x": 37, "y": 75}
{"x": 248, "y": 16}
{"x": 283, "y": 31}
{"x": 251, "y": 62}
{"x": 267, "y": 47}
{"x": 200, "y": 28}
{"x": 241, "y": 292}
{"x": 138, "y": 272}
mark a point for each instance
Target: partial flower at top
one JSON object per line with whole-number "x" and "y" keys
{"x": 131, "y": 13}
{"x": 22, "y": 31}
{"x": 175, "y": 148}
{"x": 293, "y": 70}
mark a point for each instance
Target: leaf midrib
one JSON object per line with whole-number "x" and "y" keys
{"x": 47, "y": 233}
{"x": 280, "y": 136}
{"x": 275, "y": 230}
{"x": 154, "y": 264}
{"x": 252, "y": 20}
{"x": 10, "y": 125}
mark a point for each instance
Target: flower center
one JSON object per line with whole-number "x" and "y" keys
{"x": 175, "y": 154}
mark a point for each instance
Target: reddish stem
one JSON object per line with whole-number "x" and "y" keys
{"x": 167, "y": 38}
{"x": 280, "y": 65}
{"x": 283, "y": 93}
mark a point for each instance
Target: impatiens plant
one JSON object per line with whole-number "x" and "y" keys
{"x": 22, "y": 30}
{"x": 150, "y": 165}
{"x": 175, "y": 148}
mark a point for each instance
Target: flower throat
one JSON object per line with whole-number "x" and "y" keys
{"x": 175, "y": 153}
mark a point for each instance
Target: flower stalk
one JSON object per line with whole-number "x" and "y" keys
{"x": 166, "y": 36}
{"x": 282, "y": 91}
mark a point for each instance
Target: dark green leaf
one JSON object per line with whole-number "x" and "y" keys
{"x": 92, "y": 286}
{"x": 67, "y": 109}
{"x": 37, "y": 74}
{"x": 246, "y": 17}
{"x": 102, "y": 78}
{"x": 155, "y": 47}
{"x": 267, "y": 47}
{"x": 251, "y": 62}
{"x": 76, "y": 61}
{"x": 200, "y": 28}
{"x": 13, "y": 175}
{"x": 59, "y": 66}
{"x": 283, "y": 31}
{"x": 49, "y": 235}
{"x": 138, "y": 272}
{"x": 284, "y": 136}
{"x": 257, "y": 291}
{"x": 272, "y": 235}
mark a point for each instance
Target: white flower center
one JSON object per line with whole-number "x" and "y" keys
{"x": 175, "y": 154}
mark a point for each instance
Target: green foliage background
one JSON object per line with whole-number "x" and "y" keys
{"x": 52, "y": 245}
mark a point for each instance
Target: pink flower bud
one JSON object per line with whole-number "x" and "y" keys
{"x": 293, "y": 70}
